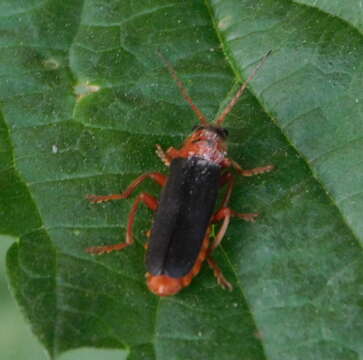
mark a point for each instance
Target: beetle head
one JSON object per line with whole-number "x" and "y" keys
{"x": 220, "y": 131}
{"x": 206, "y": 141}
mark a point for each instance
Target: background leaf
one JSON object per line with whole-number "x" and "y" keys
{"x": 84, "y": 100}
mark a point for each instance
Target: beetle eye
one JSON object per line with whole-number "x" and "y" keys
{"x": 225, "y": 132}
{"x": 222, "y": 132}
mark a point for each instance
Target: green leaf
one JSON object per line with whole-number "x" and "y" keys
{"x": 84, "y": 100}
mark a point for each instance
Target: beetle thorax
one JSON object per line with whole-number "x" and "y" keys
{"x": 206, "y": 144}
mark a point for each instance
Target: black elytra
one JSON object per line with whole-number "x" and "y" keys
{"x": 181, "y": 221}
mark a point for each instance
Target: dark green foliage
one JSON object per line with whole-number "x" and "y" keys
{"x": 84, "y": 99}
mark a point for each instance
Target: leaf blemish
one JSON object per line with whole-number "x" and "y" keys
{"x": 224, "y": 22}
{"x": 84, "y": 89}
{"x": 51, "y": 64}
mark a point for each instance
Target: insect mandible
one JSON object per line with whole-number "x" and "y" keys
{"x": 180, "y": 238}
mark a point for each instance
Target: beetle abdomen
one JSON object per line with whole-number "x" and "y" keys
{"x": 186, "y": 206}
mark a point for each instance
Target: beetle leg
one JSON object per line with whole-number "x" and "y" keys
{"x": 229, "y": 179}
{"x": 168, "y": 155}
{"x": 249, "y": 172}
{"x": 157, "y": 177}
{"x": 225, "y": 178}
{"x": 151, "y": 202}
{"x": 173, "y": 153}
{"x": 225, "y": 214}
{"x": 217, "y": 272}
{"x": 148, "y": 235}
{"x": 164, "y": 157}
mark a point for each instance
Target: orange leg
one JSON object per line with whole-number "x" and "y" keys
{"x": 173, "y": 153}
{"x": 151, "y": 202}
{"x": 225, "y": 178}
{"x": 168, "y": 155}
{"x": 225, "y": 214}
{"x": 250, "y": 172}
{"x": 164, "y": 156}
{"x": 157, "y": 177}
{"x": 221, "y": 280}
{"x": 228, "y": 179}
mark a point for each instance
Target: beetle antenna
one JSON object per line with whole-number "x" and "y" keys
{"x": 241, "y": 90}
{"x": 183, "y": 90}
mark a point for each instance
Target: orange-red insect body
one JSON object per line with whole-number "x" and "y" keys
{"x": 179, "y": 240}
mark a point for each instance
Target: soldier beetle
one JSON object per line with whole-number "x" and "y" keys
{"x": 180, "y": 238}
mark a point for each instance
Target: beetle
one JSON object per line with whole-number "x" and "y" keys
{"x": 180, "y": 238}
